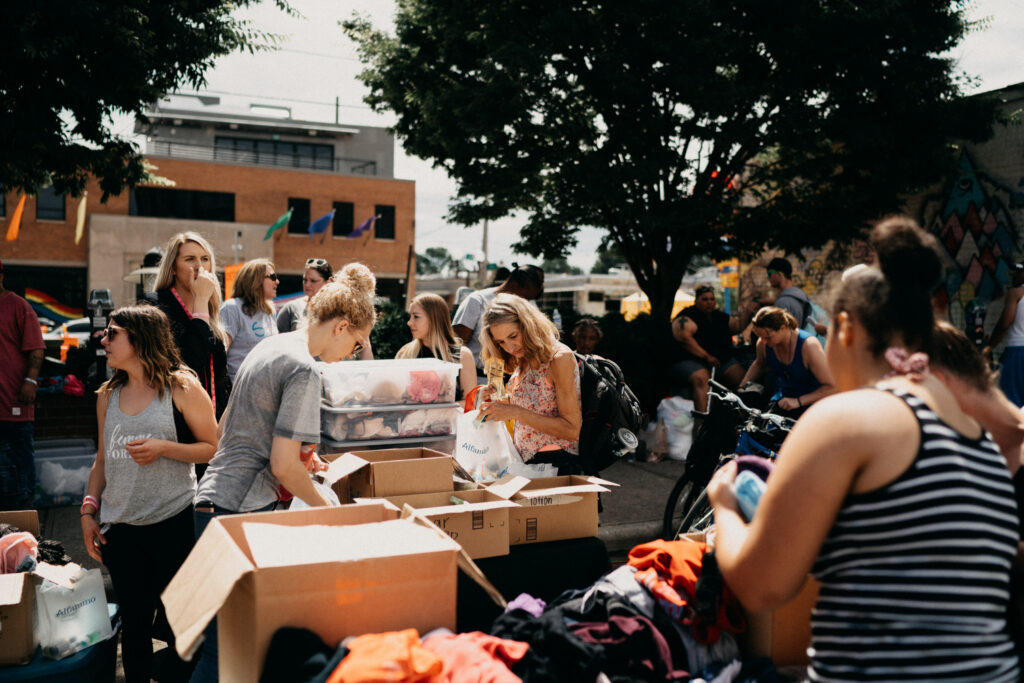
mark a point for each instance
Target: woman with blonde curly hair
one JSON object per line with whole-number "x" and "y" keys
{"x": 275, "y": 409}
{"x": 187, "y": 291}
{"x": 544, "y": 390}
{"x": 248, "y": 316}
{"x": 433, "y": 337}
{"x": 155, "y": 421}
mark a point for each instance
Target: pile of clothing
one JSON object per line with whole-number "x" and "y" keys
{"x": 664, "y": 616}
{"x": 21, "y": 551}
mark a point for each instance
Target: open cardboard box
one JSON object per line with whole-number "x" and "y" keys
{"x": 480, "y": 524}
{"x": 784, "y": 633}
{"x": 336, "y": 571}
{"x": 551, "y": 508}
{"x": 388, "y": 472}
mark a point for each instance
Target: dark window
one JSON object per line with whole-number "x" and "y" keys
{"x": 344, "y": 221}
{"x": 612, "y": 305}
{"x": 196, "y": 205}
{"x": 3, "y": 202}
{"x": 274, "y": 152}
{"x": 49, "y": 205}
{"x": 299, "y": 224}
{"x": 596, "y": 297}
{"x": 384, "y": 227}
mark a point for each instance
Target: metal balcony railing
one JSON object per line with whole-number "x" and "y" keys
{"x": 183, "y": 150}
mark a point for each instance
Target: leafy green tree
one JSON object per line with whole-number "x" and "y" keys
{"x": 680, "y": 128}
{"x": 560, "y": 266}
{"x": 433, "y": 260}
{"x": 608, "y": 257}
{"x": 68, "y": 66}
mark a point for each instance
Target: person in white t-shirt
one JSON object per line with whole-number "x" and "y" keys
{"x": 248, "y": 317}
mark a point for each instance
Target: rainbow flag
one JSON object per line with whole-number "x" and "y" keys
{"x": 281, "y": 299}
{"x": 46, "y": 305}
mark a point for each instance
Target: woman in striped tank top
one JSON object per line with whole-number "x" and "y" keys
{"x": 889, "y": 494}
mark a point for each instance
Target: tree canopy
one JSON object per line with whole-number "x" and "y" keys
{"x": 68, "y": 66}
{"x": 705, "y": 127}
{"x": 433, "y": 261}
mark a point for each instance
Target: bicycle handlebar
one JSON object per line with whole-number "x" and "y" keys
{"x": 725, "y": 394}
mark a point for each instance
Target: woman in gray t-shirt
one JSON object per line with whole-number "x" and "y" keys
{"x": 155, "y": 421}
{"x": 274, "y": 409}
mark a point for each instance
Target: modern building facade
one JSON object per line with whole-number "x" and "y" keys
{"x": 228, "y": 174}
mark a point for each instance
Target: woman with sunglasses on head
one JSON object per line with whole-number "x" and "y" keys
{"x": 275, "y": 408}
{"x": 248, "y": 316}
{"x": 155, "y": 421}
{"x": 893, "y": 498}
{"x": 433, "y": 337}
{"x": 544, "y": 390}
{"x": 293, "y": 314}
{"x": 188, "y": 293}
{"x": 794, "y": 357}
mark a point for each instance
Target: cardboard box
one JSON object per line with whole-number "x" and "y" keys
{"x": 782, "y": 634}
{"x": 337, "y": 571}
{"x": 480, "y": 525}
{"x": 551, "y": 508}
{"x": 17, "y": 600}
{"x": 388, "y": 472}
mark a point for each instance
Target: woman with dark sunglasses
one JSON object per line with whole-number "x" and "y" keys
{"x": 248, "y": 317}
{"x": 293, "y": 314}
{"x": 155, "y": 420}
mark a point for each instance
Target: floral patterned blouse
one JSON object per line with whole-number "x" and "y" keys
{"x": 530, "y": 388}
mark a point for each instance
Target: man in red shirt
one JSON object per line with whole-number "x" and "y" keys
{"x": 21, "y": 357}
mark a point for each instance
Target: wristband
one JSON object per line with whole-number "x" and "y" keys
{"x": 88, "y": 514}
{"x": 799, "y": 403}
{"x": 200, "y": 315}
{"x": 29, "y": 379}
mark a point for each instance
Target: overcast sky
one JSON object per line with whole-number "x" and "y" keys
{"x": 317, "y": 64}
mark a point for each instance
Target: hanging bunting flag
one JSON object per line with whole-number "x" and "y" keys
{"x": 80, "y": 225}
{"x": 12, "y": 229}
{"x": 321, "y": 224}
{"x": 278, "y": 224}
{"x": 363, "y": 227}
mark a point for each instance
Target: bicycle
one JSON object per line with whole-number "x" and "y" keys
{"x": 729, "y": 427}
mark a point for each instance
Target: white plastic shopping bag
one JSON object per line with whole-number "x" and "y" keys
{"x": 484, "y": 449}
{"x": 676, "y": 412}
{"x": 72, "y": 619}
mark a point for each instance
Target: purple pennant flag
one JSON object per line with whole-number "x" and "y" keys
{"x": 321, "y": 224}
{"x": 363, "y": 227}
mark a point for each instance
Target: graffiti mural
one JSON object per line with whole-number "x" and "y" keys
{"x": 979, "y": 240}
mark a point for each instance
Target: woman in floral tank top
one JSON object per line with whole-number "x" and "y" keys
{"x": 544, "y": 391}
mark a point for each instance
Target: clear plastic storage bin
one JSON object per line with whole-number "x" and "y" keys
{"x": 62, "y": 470}
{"x": 358, "y": 425}
{"x": 374, "y": 383}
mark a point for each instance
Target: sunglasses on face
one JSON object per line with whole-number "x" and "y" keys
{"x": 273, "y": 277}
{"x": 316, "y": 263}
{"x": 110, "y": 332}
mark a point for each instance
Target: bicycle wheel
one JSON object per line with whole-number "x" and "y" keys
{"x": 699, "y": 517}
{"x": 683, "y": 496}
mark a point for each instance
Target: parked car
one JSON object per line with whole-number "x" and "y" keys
{"x": 80, "y": 328}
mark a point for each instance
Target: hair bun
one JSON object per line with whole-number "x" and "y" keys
{"x": 359, "y": 278}
{"x": 907, "y": 255}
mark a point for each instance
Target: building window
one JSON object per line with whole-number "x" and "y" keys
{"x": 196, "y": 205}
{"x": 384, "y": 227}
{"x": 49, "y": 205}
{"x": 299, "y": 223}
{"x": 3, "y": 202}
{"x": 344, "y": 219}
{"x": 274, "y": 153}
{"x": 595, "y": 297}
{"x": 613, "y": 305}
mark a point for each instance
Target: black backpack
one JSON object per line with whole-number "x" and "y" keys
{"x": 612, "y": 416}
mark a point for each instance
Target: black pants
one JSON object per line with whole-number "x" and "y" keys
{"x": 566, "y": 462}
{"x": 142, "y": 560}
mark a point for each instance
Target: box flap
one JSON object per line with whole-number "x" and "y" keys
{"x": 560, "y": 491}
{"x": 12, "y": 586}
{"x": 273, "y": 545}
{"x": 64, "y": 576}
{"x": 466, "y": 507}
{"x": 466, "y": 563}
{"x": 508, "y": 486}
{"x": 202, "y": 585}
{"x": 343, "y": 466}
{"x": 26, "y": 520}
{"x": 599, "y": 480}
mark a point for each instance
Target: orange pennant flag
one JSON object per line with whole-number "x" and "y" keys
{"x": 12, "y": 229}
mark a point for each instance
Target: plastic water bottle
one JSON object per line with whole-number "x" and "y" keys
{"x": 556, "y": 318}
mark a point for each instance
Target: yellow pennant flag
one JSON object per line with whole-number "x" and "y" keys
{"x": 12, "y": 229}
{"x": 80, "y": 225}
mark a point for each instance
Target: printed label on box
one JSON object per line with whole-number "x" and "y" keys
{"x": 548, "y": 499}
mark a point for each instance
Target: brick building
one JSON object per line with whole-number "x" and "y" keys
{"x": 233, "y": 175}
